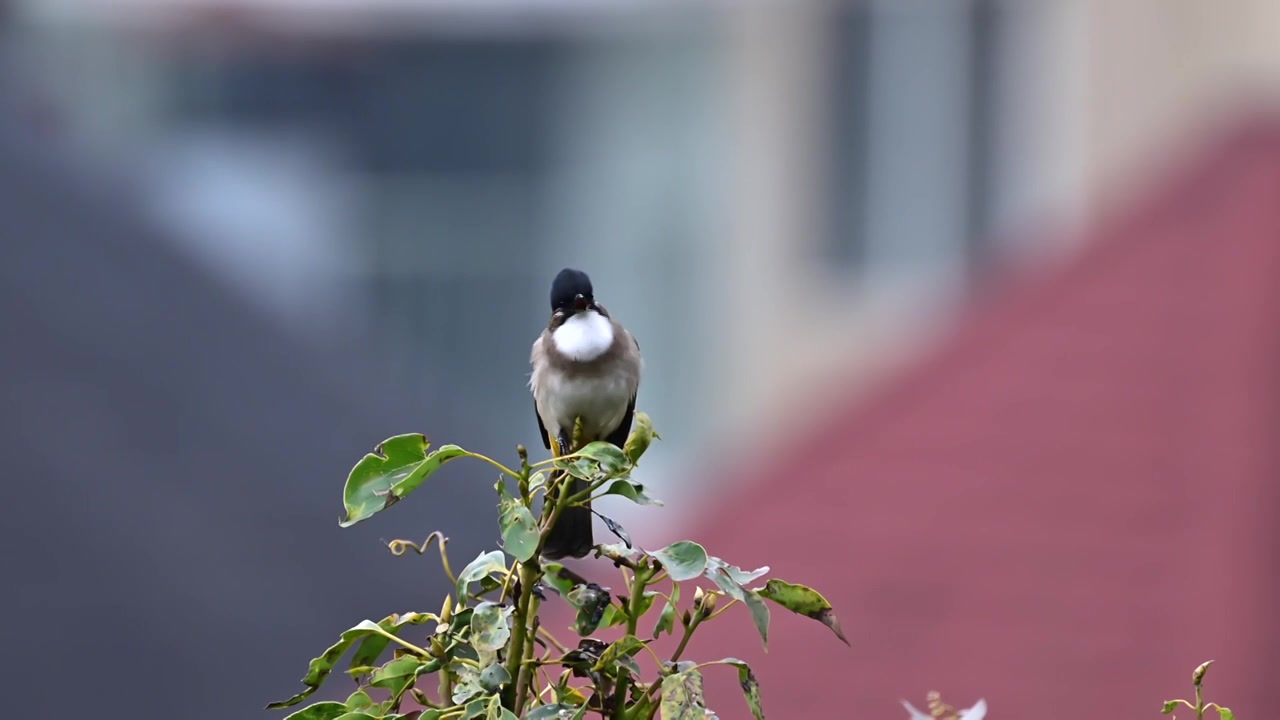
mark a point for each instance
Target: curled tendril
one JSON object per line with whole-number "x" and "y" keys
{"x": 400, "y": 547}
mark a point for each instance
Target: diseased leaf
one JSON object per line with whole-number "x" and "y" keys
{"x": 625, "y": 646}
{"x": 682, "y": 697}
{"x": 740, "y": 576}
{"x": 641, "y": 437}
{"x": 977, "y": 712}
{"x": 915, "y": 714}
{"x": 320, "y": 711}
{"x": 468, "y": 684}
{"x": 759, "y": 611}
{"x": 396, "y": 467}
{"x": 591, "y": 600}
{"x": 490, "y": 562}
{"x": 1197, "y": 677}
{"x": 320, "y": 667}
{"x": 750, "y": 686}
{"x": 620, "y": 553}
{"x": 667, "y": 618}
{"x": 803, "y": 601}
{"x": 616, "y": 528}
{"x": 558, "y": 711}
{"x": 489, "y": 629}
{"x": 560, "y": 578}
{"x": 683, "y": 560}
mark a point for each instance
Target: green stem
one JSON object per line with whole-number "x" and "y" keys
{"x": 675, "y": 656}
{"x": 411, "y": 646}
{"x": 446, "y": 685}
{"x": 1199, "y": 703}
{"x": 529, "y": 571}
{"x": 638, "y": 581}
{"x": 527, "y": 669}
{"x": 495, "y": 463}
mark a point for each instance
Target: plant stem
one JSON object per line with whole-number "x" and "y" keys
{"x": 529, "y": 572}
{"x": 496, "y": 464}
{"x": 675, "y": 656}
{"x": 638, "y": 581}
{"x": 1199, "y": 703}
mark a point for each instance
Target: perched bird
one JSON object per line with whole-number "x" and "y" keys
{"x": 587, "y": 366}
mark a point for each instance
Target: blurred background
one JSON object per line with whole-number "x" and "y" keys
{"x": 964, "y": 312}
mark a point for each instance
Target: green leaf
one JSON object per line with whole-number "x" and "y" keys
{"x": 682, "y": 697}
{"x": 369, "y": 649}
{"x": 494, "y": 677}
{"x": 580, "y": 468}
{"x": 617, "y": 614}
{"x": 495, "y": 710}
{"x": 625, "y": 646}
{"x": 558, "y": 711}
{"x": 397, "y": 675}
{"x": 395, "y": 468}
{"x": 759, "y": 611}
{"x": 641, "y": 437}
{"x": 1224, "y": 713}
{"x": 750, "y": 686}
{"x": 683, "y": 560}
{"x": 1169, "y": 706}
{"x": 359, "y": 699}
{"x": 320, "y": 667}
{"x": 358, "y": 716}
{"x": 667, "y": 619}
{"x": 520, "y": 533}
{"x": 631, "y": 490}
{"x": 477, "y": 708}
{"x": 803, "y": 601}
{"x": 320, "y": 711}
{"x": 490, "y": 562}
{"x": 489, "y": 629}
{"x": 607, "y": 455}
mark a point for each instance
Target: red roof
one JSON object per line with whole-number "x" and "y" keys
{"x": 1068, "y": 507}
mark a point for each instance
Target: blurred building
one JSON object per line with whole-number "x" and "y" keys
{"x": 1069, "y": 506}
{"x": 785, "y": 201}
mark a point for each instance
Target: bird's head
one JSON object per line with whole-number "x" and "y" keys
{"x": 571, "y": 294}
{"x": 580, "y": 327}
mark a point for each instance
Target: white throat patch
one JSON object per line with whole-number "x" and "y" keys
{"x": 584, "y": 337}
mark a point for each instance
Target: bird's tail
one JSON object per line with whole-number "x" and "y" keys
{"x": 571, "y": 535}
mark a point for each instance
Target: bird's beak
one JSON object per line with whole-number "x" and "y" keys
{"x": 580, "y": 303}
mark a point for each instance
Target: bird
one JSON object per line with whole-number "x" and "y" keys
{"x": 585, "y": 366}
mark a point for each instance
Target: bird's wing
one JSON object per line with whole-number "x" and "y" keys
{"x": 619, "y": 435}
{"x": 536, "y": 359}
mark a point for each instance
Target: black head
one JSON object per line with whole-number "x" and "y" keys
{"x": 571, "y": 292}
